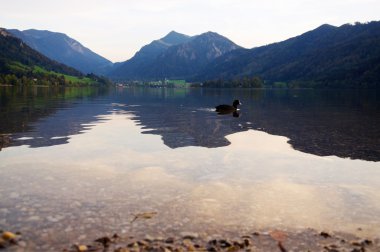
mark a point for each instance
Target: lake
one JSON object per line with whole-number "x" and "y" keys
{"x": 77, "y": 163}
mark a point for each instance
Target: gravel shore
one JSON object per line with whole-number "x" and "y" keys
{"x": 274, "y": 240}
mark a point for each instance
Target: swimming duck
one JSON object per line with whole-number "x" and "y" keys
{"x": 227, "y": 109}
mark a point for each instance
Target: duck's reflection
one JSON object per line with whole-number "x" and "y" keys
{"x": 234, "y": 113}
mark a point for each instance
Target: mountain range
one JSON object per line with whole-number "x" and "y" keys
{"x": 62, "y": 48}
{"x": 137, "y": 65}
{"x": 174, "y": 56}
{"x": 328, "y": 56}
{"x": 348, "y": 55}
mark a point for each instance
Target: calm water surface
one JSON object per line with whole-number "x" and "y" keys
{"x": 76, "y": 164}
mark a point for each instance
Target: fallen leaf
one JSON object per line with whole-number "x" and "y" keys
{"x": 146, "y": 215}
{"x": 278, "y": 235}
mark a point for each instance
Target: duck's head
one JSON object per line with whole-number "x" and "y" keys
{"x": 236, "y": 103}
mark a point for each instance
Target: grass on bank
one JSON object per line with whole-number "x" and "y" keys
{"x": 19, "y": 73}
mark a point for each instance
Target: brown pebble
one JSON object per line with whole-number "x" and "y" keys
{"x": 238, "y": 245}
{"x": 105, "y": 241}
{"x": 188, "y": 237}
{"x": 168, "y": 247}
{"x": 189, "y": 245}
{"x": 133, "y": 244}
{"x": 367, "y": 242}
{"x": 328, "y": 249}
{"x": 92, "y": 248}
{"x": 2, "y": 243}
{"x": 358, "y": 250}
{"x": 142, "y": 243}
{"x": 281, "y": 247}
{"x": 213, "y": 242}
{"x": 325, "y": 234}
{"x": 355, "y": 243}
{"x": 256, "y": 233}
{"x": 247, "y": 242}
{"x": 211, "y": 249}
{"x": 169, "y": 240}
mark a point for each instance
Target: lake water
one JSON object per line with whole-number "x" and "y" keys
{"x": 78, "y": 163}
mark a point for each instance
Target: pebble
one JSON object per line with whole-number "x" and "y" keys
{"x": 2, "y": 243}
{"x": 189, "y": 235}
{"x": 169, "y": 240}
{"x": 105, "y": 241}
{"x": 8, "y": 239}
{"x": 8, "y": 236}
{"x": 188, "y": 244}
{"x": 82, "y": 248}
{"x": 325, "y": 235}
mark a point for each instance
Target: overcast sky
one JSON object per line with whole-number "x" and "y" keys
{"x": 116, "y": 29}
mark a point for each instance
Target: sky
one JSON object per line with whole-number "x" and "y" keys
{"x": 117, "y": 29}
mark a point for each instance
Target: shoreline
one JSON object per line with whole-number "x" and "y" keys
{"x": 270, "y": 240}
{"x": 265, "y": 241}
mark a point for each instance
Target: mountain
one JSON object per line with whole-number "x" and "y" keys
{"x": 348, "y": 56}
{"x": 62, "y": 48}
{"x": 134, "y": 68}
{"x": 180, "y": 58}
{"x": 185, "y": 60}
{"x": 20, "y": 64}
{"x": 15, "y": 50}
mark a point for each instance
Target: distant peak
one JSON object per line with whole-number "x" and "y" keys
{"x": 326, "y": 27}
{"x": 211, "y": 34}
{"x": 174, "y": 38}
{"x": 173, "y": 33}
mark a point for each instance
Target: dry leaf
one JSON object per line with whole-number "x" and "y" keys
{"x": 147, "y": 215}
{"x": 278, "y": 235}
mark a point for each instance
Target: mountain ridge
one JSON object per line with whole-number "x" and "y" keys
{"x": 21, "y": 64}
{"x": 348, "y": 55}
{"x": 179, "y": 60}
{"x": 64, "y": 49}
{"x": 143, "y": 58}
{"x": 326, "y": 56}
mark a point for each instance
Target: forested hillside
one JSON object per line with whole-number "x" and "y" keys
{"x": 20, "y": 64}
{"x": 346, "y": 56}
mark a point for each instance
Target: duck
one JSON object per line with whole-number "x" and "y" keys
{"x": 227, "y": 109}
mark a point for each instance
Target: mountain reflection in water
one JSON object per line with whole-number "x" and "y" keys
{"x": 41, "y": 116}
{"x": 345, "y": 123}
